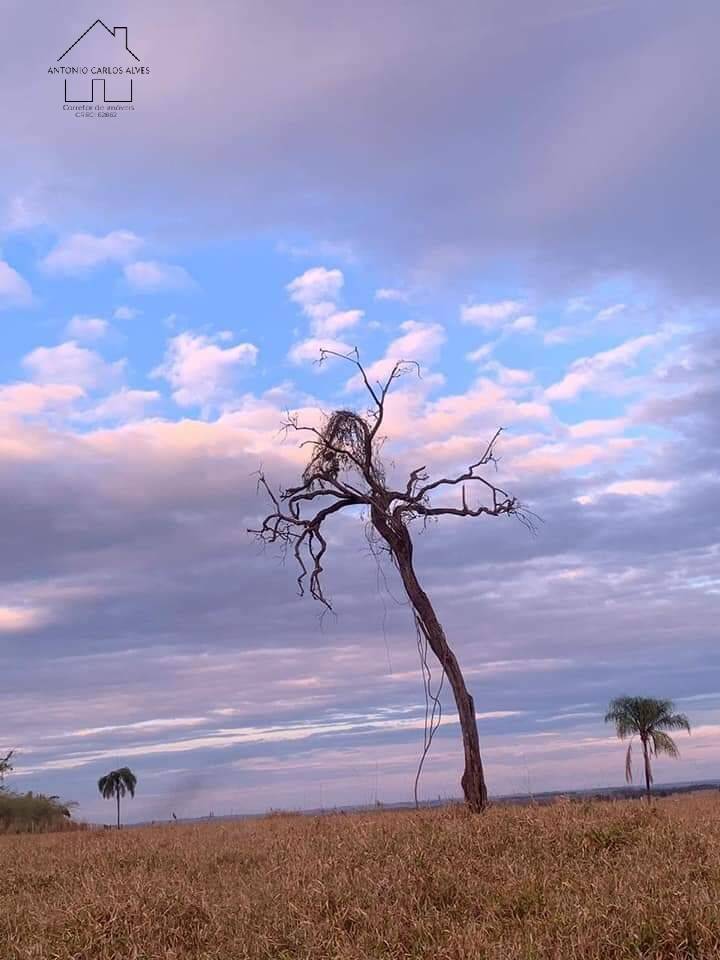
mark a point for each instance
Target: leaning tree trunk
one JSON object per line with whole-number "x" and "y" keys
{"x": 398, "y": 539}
{"x": 118, "y": 809}
{"x": 648, "y": 774}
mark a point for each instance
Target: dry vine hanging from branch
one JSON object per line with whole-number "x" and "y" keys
{"x": 344, "y": 470}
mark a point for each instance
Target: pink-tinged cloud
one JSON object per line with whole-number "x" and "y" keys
{"x": 15, "y": 291}
{"x": 81, "y": 252}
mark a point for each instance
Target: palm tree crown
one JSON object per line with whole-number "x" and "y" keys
{"x": 647, "y": 718}
{"x": 116, "y": 784}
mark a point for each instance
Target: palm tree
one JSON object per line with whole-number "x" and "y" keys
{"x": 647, "y": 718}
{"x": 116, "y": 784}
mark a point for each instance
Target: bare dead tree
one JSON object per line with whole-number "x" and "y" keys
{"x": 345, "y": 470}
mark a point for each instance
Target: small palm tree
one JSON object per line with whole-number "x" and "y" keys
{"x": 648, "y": 719}
{"x": 116, "y": 784}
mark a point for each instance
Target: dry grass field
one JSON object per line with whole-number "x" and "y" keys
{"x": 595, "y": 880}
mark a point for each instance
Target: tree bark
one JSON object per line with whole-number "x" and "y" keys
{"x": 398, "y": 539}
{"x": 648, "y": 775}
{"x": 118, "y": 809}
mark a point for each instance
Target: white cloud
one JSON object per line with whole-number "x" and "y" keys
{"x": 508, "y": 376}
{"x": 475, "y": 356}
{"x": 489, "y": 315}
{"x": 640, "y": 488}
{"x": 23, "y": 213}
{"x": 124, "y": 406}
{"x": 18, "y": 399}
{"x": 561, "y": 334}
{"x": 629, "y": 488}
{"x": 524, "y": 324}
{"x": 597, "y": 428}
{"x": 589, "y": 373}
{"x": 126, "y": 313}
{"x": 327, "y": 324}
{"x": 570, "y": 332}
{"x": 608, "y": 312}
{"x": 418, "y": 341}
{"x": 315, "y": 285}
{"x": 149, "y": 276}
{"x": 390, "y": 293}
{"x": 169, "y": 723}
{"x": 83, "y": 251}
{"x": 200, "y": 371}
{"x": 578, "y": 305}
{"x": 316, "y": 291}
{"x": 86, "y": 328}
{"x": 308, "y": 351}
{"x": 69, "y": 363}
{"x": 14, "y": 290}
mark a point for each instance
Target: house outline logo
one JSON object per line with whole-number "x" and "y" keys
{"x": 100, "y": 83}
{"x": 113, "y": 33}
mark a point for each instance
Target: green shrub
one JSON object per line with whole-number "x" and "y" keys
{"x": 33, "y": 813}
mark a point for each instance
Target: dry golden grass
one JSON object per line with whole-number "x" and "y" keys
{"x": 600, "y": 880}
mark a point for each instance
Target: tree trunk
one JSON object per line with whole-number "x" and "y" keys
{"x": 118, "y": 808}
{"x": 648, "y": 775}
{"x": 398, "y": 539}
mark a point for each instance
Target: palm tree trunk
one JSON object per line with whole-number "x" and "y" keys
{"x": 118, "y": 808}
{"x": 398, "y": 539}
{"x": 648, "y": 775}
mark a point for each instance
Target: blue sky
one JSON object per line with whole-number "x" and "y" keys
{"x": 408, "y": 187}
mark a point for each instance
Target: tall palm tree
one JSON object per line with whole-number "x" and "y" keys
{"x": 116, "y": 784}
{"x": 647, "y": 718}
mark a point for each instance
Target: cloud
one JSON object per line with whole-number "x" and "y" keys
{"x": 21, "y": 399}
{"x": 636, "y": 487}
{"x": 126, "y": 313}
{"x": 600, "y": 322}
{"x": 81, "y": 252}
{"x": 509, "y": 376}
{"x": 391, "y": 293}
{"x": 14, "y": 290}
{"x": 86, "y": 328}
{"x": 569, "y": 177}
{"x": 71, "y": 364}
{"x": 594, "y": 373}
{"x": 328, "y": 321}
{"x": 524, "y": 324}
{"x": 124, "y": 406}
{"x": 597, "y": 428}
{"x": 315, "y": 285}
{"x": 162, "y": 723}
{"x": 490, "y": 315}
{"x": 201, "y": 372}
{"x": 316, "y": 291}
{"x": 475, "y": 356}
{"x": 640, "y": 488}
{"x": 309, "y": 351}
{"x": 23, "y": 213}
{"x": 420, "y": 342}
{"x": 607, "y": 313}
{"x": 131, "y": 541}
{"x": 564, "y": 457}
{"x": 149, "y": 276}
{"x": 19, "y": 619}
